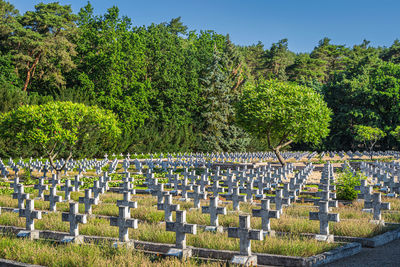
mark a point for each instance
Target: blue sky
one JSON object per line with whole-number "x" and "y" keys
{"x": 302, "y": 22}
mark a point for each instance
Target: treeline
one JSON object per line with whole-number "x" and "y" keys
{"x": 175, "y": 89}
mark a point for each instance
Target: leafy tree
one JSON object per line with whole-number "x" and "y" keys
{"x": 41, "y": 43}
{"x": 61, "y": 129}
{"x": 277, "y": 59}
{"x": 283, "y": 113}
{"x": 396, "y": 133}
{"x": 368, "y": 136}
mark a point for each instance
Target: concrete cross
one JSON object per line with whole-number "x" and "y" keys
{"x": 41, "y": 187}
{"x": 377, "y": 205}
{"x": 53, "y": 198}
{"x": 245, "y": 234}
{"x": 126, "y": 202}
{"x": 54, "y": 180}
{"x": 213, "y": 210}
{"x": 124, "y": 221}
{"x": 197, "y": 195}
{"x": 280, "y": 200}
{"x": 30, "y": 214}
{"x": 184, "y": 189}
{"x": 76, "y": 183}
{"x": 74, "y": 219}
{"x": 250, "y": 191}
{"x": 203, "y": 182}
{"x": 67, "y": 188}
{"x": 158, "y": 191}
{"x": 324, "y": 217}
{"x": 127, "y": 187}
{"x": 21, "y": 196}
{"x": 265, "y": 213}
{"x": 326, "y": 196}
{"x": 366, "y": 191}
{"x": 168, "y": 207}
{"x": 88, "y": 201}
{"x": 181, "y": 228}
{"x": 236, "y": 198}
{"x": 15, "y": 183}
{"x": 97, "y": 189}
{"x": 215, "y": 188}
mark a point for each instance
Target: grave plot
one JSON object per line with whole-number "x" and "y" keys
{"x": 137, "y": 209}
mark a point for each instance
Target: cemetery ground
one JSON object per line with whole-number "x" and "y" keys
{"x": 293, "y": 234}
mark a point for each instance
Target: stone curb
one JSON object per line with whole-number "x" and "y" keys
{"x": 372, "y": 242}
{"x": 226, "y": 255}
{"x": 10, "y": 263}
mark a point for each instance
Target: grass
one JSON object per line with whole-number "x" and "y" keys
{"x": 155, "y": 232}
{"x": 49, "y": 254}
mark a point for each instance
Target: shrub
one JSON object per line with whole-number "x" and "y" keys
{"x": 346, "y": 183}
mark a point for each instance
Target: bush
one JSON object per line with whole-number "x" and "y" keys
{"x": 346, "y": 183}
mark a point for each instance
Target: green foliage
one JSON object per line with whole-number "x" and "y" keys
{"x": 283, "y": 113}
{"x": 368, "y": 135}
{"x": 345, "y": 184}
{"x": 61, "y": 128}
{"x": 396, "y": 133}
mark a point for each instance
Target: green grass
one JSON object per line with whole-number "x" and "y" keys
{"x": 48, "y": 254}
{"x": 155, "y": 232}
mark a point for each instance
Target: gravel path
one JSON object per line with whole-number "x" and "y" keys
{"x": 387, "y": 255}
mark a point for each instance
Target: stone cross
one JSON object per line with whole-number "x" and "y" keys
{"x": 158, "y": 191}
{"x": 280, "y": 200}
{"x": 21, "y": 196}
{"x": 326, "y": 196}
{"x": 215, "y": 188}
{"x": 250, "y": 191}
{"x": 203, "y": 182}
{"x": 88, "y": 201}
{"x": 197, "y": 196}
{"x": 127, "y": 187}
{"x": 97, "y": 189}
{"x": 76, "y": 183}
{"x": 30, "y": 214}
{"x": 324, "y": 217}
{"x": 184, "y": 189}
{"x": 245, "y": 234}
{"x": 54, "y": 180}
{"x": 213, "y": 210}
{"x": 67, "y": 188}
{"x": 236, "y": 198}
{"x": 74, "y": 219}
{"x": 265, "y": 213}
{"x": 168, "y": 207}
{"x": 41, "y": 187}
{"x": 377, "y": 205}
{"x": 53, "y": 198}
{"x": 126, "y": 201}
{"x": 124, "y": 222}
{"x": 181, "y": 228}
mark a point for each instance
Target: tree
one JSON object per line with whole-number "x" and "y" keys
{"x": 277, "y": 59}
{"x": 396, "y": 133}
{"x": 283, "y": 113}
{"x": 41, "y": 43}
{"x": 368, "y": 136}
{"x": 61, "y": 129}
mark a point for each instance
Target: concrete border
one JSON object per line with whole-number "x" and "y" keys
{"x": 11, "y": 263}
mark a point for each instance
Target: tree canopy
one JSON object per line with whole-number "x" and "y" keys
{"x": 63, "y": 129}
{"x": 282, "y": 113}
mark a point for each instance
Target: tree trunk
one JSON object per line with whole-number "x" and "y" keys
{"x": 279, "y": 156}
